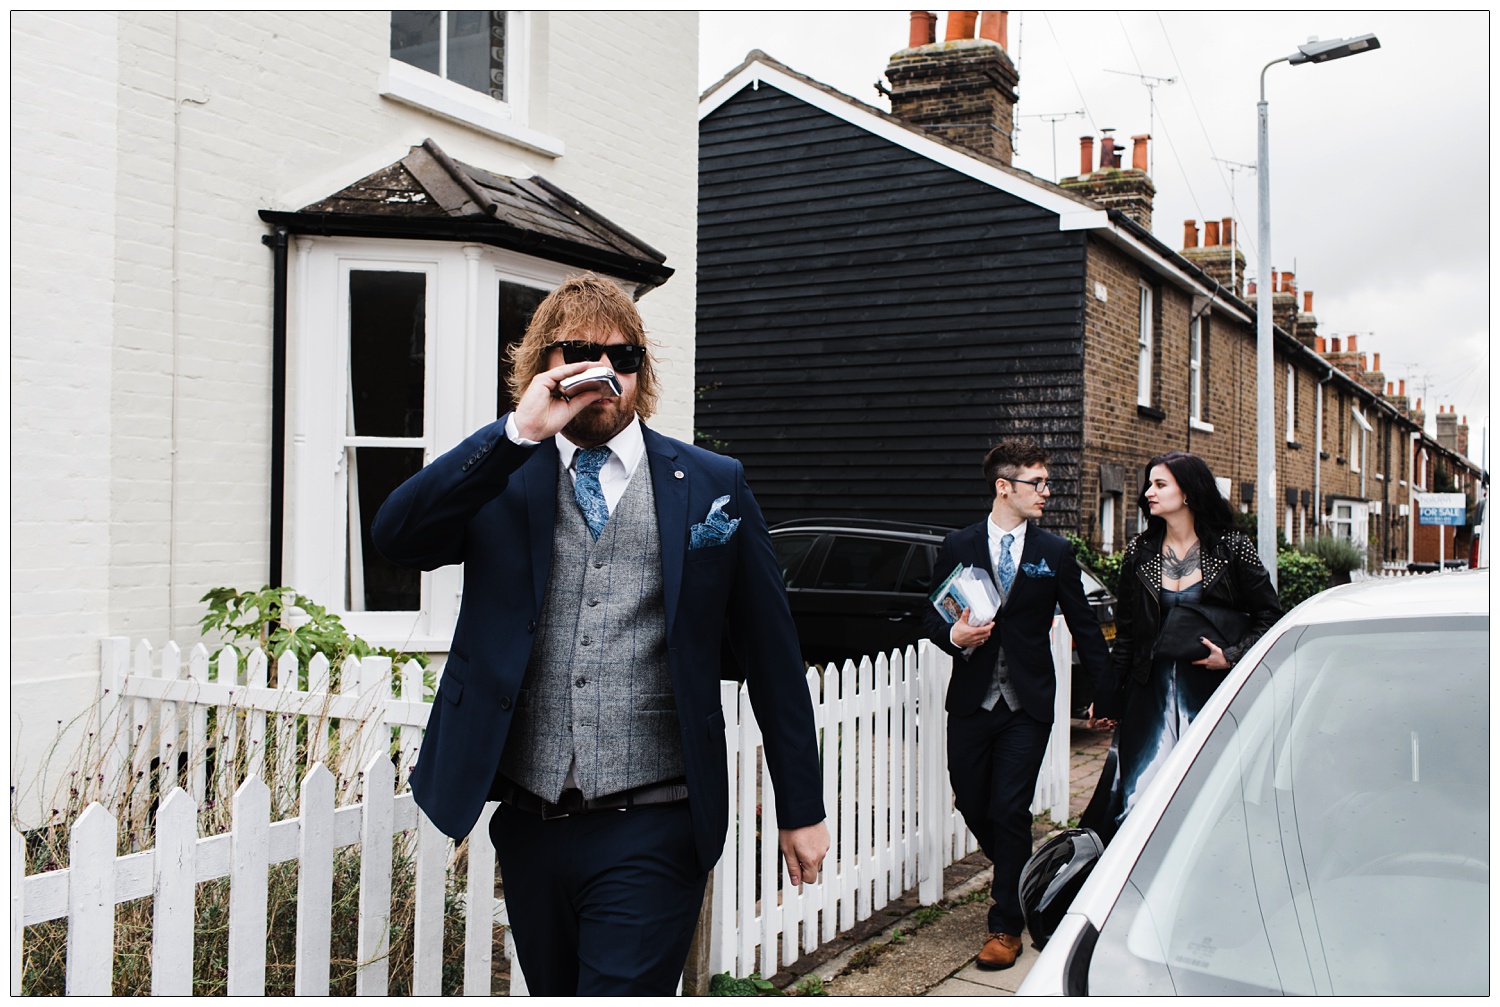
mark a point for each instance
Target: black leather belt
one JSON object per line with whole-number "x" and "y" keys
{"x": 572, "y": 801}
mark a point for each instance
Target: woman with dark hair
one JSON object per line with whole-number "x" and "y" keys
{"x": 1191, "y": 556}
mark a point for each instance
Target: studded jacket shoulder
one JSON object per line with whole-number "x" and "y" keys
{"x": 1233, "y": 576}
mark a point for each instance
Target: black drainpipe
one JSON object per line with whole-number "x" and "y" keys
{"x": 277, "y": 242}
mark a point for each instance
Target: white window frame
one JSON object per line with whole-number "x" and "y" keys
{"x": 1291, "y": 405}
{"x": 1286, "y": 530}
{"x": 506, "y": 120}
{"x": 1195, "y": 369}
{"x": 462, "y": 362}
{"x": 1145, "y": 341}
{"x": 1107, "y": 523}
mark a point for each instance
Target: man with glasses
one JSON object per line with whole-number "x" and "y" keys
{"x": 604, "y": 566}
{"x": 1001, "y": 695}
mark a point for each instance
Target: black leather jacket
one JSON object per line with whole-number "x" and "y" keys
{"x": 1232, "y": 576}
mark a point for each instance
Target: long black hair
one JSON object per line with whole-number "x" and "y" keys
{"x": 1211, "y": 512}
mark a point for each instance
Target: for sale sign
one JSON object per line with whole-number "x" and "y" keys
{"x": 1441, "y": 508}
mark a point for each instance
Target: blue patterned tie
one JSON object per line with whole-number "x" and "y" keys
{"x": 1007, "y": 566}
{"x": 586, "y": 488}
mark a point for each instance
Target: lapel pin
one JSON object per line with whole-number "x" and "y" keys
{"x": 678, "y": 473}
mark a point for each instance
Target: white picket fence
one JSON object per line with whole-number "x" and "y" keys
{"x": 890, "y": 815}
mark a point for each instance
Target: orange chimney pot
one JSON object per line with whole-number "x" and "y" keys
{"x": 1352, "y": 348}
{"x": 960, "y": 25}
{"x": 1138, "y": 159}
{"x": 1377, "y": 361}
{"x": 1189, "y": 234}
{"x": 923, "y": 28}
{"x": 1226, "y": 231}
{"x": 1403, "y": 386}
{"x": 1319, "y": 344}
{"x": 1307, "y": 301}
{"x": 1210, "y": 233}
{"x": 1336, "y": 345}
{"x": 992, "y": 25}
{"x": 1085, "y": 155}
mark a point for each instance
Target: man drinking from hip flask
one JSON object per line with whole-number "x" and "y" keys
{"x": 604, "y": 566}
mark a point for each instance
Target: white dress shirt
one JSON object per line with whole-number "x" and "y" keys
{"x": 626, "y": 449}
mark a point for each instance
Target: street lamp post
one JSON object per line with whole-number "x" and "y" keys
{"x": 1265, "y": 395}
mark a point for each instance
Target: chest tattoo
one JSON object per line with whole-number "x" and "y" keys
{"x": 1175, "y": 568}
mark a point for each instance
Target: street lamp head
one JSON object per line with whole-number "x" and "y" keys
{"x": 1336, "y": 48}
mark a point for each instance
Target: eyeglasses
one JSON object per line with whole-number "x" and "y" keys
{"x": 625, "y": 358}
{"x": 1040, "y": 485}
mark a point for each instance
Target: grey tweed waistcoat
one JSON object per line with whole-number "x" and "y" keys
{"x": 598, "y": 688}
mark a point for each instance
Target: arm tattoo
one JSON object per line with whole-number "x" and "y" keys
{"x": 1178, "y": 569}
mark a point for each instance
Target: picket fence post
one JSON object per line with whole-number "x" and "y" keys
{"x": 375, "y": 877}
{"x": 173, "y": 892}
{"x": 315, "y": 883}
{"x": 249, "y": 860}
{"x": 91, "y": 903}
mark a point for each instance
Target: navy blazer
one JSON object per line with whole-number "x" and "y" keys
{"x": 491, "y": 504}
{"x": 1023, "y": 625}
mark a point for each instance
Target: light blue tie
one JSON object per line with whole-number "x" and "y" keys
{"x": 1007, "y": 566}
{"x": 586, "y": 488}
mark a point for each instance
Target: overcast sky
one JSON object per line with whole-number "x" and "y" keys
{"x": 1379, "y": 162}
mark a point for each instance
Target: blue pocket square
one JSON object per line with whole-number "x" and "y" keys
{"x": 1037, "y": 569}
{"x": 716, "y": 528}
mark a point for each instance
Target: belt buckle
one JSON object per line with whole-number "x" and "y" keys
{"x": 570, "y": 803}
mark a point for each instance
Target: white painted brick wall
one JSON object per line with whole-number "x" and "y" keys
{"x": 145, "y": 142}
{"x": 63, "y": 91}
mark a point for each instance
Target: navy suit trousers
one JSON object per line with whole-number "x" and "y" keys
{"x": 601, "y": 904}
{"x": 994, "y": 757}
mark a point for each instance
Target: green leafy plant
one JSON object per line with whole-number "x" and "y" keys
{"x": 1338, "y": 555}
{"x": 812, "y": 986}
{"x": 1299, "y": 576}
{"x": 1104, "y": 565}
{"x": 726, "y": 985}
{"x": 279, "y": 621}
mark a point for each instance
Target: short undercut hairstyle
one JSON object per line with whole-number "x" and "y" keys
{"x": 586, "y": 307}
{"x": 1006, "y": 459}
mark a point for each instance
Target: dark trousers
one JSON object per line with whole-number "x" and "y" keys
{"x": 600, "y": 904}
{"x": 993, "y": 760}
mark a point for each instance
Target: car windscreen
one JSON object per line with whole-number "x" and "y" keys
{"x": 1332, "y": 836}
{"x": 791, "y": 550}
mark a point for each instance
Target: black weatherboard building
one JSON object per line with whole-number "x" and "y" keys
{"x": 877, "y": 306}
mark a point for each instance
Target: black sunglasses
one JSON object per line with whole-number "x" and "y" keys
{"x": 625, "y": 358}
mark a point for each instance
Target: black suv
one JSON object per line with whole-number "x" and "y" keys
{"x": 856, "y": 586}
{"x": 859, "y": 587}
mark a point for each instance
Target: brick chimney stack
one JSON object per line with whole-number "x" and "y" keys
{"x": 1217, "y": 253}
{"x": 1418, "y": 416}
{"x": 1307, "y": 322}
{"x": 1447, "y": 428}
{"x": 962, "y": 89}
{"x": 1374, "y": 377}
{"x": 1349, "y": 359}
{"x": 1461, "y": 437}
{"x": 1129, "y": 190}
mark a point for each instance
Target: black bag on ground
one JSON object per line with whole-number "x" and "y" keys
{"x": 1188, "y": 621}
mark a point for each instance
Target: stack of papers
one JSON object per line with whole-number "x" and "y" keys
{"x": 967, "y": 587}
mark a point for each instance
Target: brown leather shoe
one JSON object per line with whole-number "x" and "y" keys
{"x": 999, "y": 952}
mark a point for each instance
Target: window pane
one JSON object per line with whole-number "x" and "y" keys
{"x": 918, "y": 575}
{"x": 387, "y": 351}
{"x": 791, "y": 550}
{"x": 517, "y": 304}
{"x": 476, "y": 50}
{"x": 414, "y": 38}
{"x": 863, "y": 564}
{"x": 375, "y": 584}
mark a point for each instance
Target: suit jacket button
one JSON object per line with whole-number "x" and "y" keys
{"x": 531, "y": 626}
{"x": 505, "y": 702}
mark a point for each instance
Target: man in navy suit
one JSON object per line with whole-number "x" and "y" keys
{"x": 1001, "y": 696}
{"x": 604, "y": 567}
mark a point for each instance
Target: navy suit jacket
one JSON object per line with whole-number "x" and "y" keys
{"x": 1023, "y": 625}
{"x": 491, "y": 505}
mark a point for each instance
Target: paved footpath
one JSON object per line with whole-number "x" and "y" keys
{"x": 907, "y": 953}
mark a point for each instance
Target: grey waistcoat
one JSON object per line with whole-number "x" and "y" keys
{"x": 598, "y": 688}
{"x": 1000, "y": 684}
